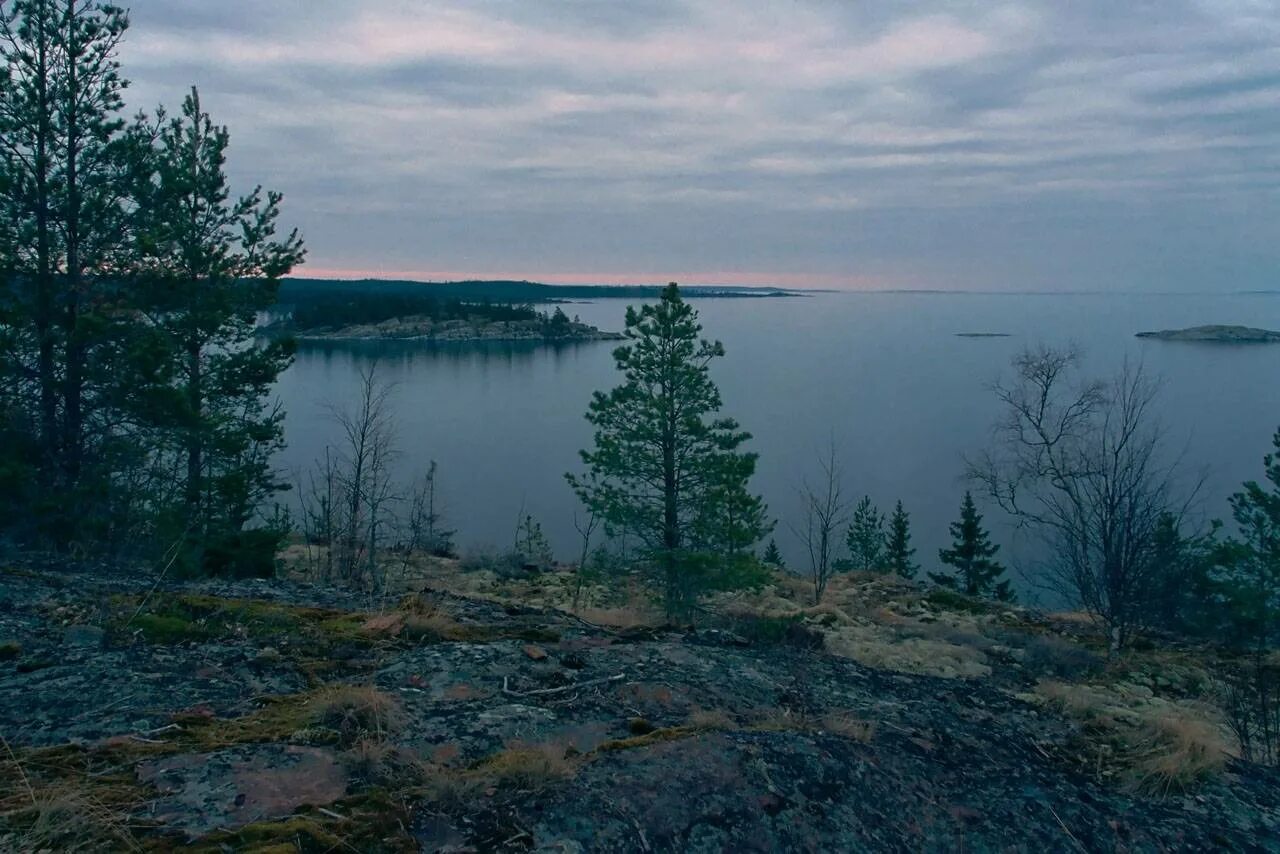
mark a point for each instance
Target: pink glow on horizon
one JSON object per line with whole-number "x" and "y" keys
{"x": 740, "y": 278}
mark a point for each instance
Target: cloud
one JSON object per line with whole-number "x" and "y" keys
{"x": 866, "y": 142}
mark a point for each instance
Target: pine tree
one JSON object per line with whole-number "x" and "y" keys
{"x": 865, "y": 538}
{"x": 663, "y": 468}
{"x": 773, "y": 555}
{"x": 972, "y": 554}
{"x": 207, "y": 264}
{"x": 62, "y": 226}
{"x": 898, "y": 550}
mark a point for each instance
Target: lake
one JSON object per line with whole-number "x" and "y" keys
{"x": 884, "y": 375}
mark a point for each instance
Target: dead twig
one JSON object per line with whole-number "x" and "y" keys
{"x": 1066, "y": 829}
{"x": 542, "y": 692}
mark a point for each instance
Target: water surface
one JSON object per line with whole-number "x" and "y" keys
{"x": 882, "y": 374}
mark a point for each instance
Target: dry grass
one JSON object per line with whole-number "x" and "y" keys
{"x": 848, "y": 726}
{"x": 635, "y": 615}
{"x": 1158, "y": 745}
{"x": 356, "y": 713}
{"x": 61, "y": 799}
{"x": 710, "y": 720}
{"x": 529, "y": 767}
{"x": 884, "y": 649}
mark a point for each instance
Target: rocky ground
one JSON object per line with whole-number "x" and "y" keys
{"x": 281, "y": 716}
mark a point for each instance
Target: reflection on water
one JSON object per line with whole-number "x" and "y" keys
{"x": 885, "y": 375}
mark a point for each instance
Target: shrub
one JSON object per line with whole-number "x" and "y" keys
{"x": 1049, "y": 655}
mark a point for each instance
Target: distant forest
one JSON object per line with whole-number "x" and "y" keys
{"x": 295, "y": 290}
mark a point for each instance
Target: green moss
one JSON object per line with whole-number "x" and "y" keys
{"x": 10, "y": 650}
{"x": 164, "y": 629}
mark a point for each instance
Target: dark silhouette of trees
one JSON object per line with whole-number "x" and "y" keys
{"x": 63, "y": 195}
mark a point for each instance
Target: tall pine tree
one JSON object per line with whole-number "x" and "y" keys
{"x": 207, "y": 264}
{"x": 63, "y": 200}
{"x": 972, "y": 554}
{"x": 665, "y": 469}
{"x": 898, "y": 550}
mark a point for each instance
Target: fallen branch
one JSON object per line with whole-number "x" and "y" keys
{"x": 542, "y": 692}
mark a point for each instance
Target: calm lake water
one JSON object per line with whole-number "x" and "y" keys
{"x": 882, "y": 374}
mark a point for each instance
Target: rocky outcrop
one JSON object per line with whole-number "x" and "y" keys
{"x": 1217, "y": 335}
{"x": 233, "y": 715}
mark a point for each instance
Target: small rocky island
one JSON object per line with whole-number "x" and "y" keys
{"x": 1217, "y": 334}
{"x": 475, "y": 328}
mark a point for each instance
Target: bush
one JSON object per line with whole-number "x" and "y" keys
{"x": 243, "y": 554}
{"x": 1053, "y": 656}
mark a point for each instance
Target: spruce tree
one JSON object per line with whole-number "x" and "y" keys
{"x": 972, "y": 554}
{"x": 773, "y": 555}
{"x": 865, "y": 538}
{"x": 898, "y": 550}
{"x": 208, "y": 263}
{"x": 664, "y": 468}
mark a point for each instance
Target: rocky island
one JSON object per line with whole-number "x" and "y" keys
{"x": 1216, "y": 334}
{"x": 473, "y": 328}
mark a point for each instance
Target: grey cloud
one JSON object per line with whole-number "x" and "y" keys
{"x": 944, "y": 144}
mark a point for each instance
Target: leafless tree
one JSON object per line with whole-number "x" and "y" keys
{"x": 1083, "y": 465}
{"x": 826, "y": 512}
{"x": 349, "y": 505}
{"x": 585, "y": 529}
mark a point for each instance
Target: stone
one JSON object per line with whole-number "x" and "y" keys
{"x": 89, "y": 637}
{"x": 535, "y": 653}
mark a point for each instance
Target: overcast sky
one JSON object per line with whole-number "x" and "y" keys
{"x": 1057, "y": 145}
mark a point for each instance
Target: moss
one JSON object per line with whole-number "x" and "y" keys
{"x": 372, "y": 821}
{"x": 658, "y": 736}
{"x": 165, "y": 629}
{"x": 10, "y": 650}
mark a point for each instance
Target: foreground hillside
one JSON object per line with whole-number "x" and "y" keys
{"x": 467, "y": 712}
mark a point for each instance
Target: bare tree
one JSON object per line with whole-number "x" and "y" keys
{"x": 349, "y": 505}
{"x": 1083, "y": 466}
{"x": 826, "y": 512}
{"x": 585, "y": 529}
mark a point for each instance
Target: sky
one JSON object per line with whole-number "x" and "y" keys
{"x": 1088, "y": 145}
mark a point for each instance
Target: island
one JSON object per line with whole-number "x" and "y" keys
{"x": 355, "y": 313}
{"x": 982, "y": 335}
{"x": 475, "y": 327}
{"x": 1217, "y": 335}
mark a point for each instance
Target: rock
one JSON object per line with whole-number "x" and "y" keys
{"x": 201, "y": 793}
{"x": 385, "y": 624}
{"x": 536, "y": 653}
{"x": 89, "y": 637}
